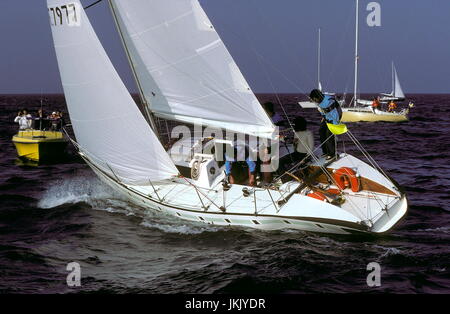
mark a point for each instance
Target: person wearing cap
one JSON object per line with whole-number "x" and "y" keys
{"x": 54, "y": 120}
{"x": 331, "y": 112}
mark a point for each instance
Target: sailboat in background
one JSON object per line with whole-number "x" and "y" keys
{"x": 397, "y": 92}
{"x": 362, "y": 110}
{"x": 185, "y": 73}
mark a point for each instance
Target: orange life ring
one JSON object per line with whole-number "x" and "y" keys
{"x": 333, "y": 191}
{"x": 346, "y": 178}
{"x": 318, "y": 195}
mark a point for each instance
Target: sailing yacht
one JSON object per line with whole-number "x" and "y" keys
{"x": 361, "y": 110}
{"x": 185, "y": 73}
{"x": 397, "y": 92}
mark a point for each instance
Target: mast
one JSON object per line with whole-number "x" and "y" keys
{"x": 318, "y": 64}
{"x": 148, "y": 114}
{"x": 393, "y": 79}
{"x": 356, "y": 55}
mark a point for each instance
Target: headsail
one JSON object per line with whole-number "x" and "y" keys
{"x": 184, "y": 67}
{"x": 398, "y": 92}
{"x": 108, "y": 126}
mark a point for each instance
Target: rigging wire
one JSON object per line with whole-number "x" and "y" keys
{"x": 310, "y": 152}
{"x": 282, "y": 43}
{"x": 338, "y": 55}
{"x": 92, "y": 4}
{"x": 246, "y": 39}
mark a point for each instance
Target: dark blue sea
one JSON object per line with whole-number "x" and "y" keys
{"x": 54, "y": 214}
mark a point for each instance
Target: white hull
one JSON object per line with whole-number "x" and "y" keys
{"x": 385, "y": 99}
{"x": 180, "y": 199}
{"x": 366, "y": 114}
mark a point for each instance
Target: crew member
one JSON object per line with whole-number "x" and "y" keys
{"x": 274, "y": 116}
{"x": 331, "y": 112}
{"x": 240, "y": 154}
{"x": 375, "y": 104}
{"x": 392, "y": 106}
{"x": 303, "y": 140}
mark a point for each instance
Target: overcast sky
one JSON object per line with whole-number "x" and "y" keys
{"x": 274, "y": 42}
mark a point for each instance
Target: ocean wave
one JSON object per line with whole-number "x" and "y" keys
{"x": 179, "y": 228}
{"x": 445, "y": 229}
{"x": 391, "y": 251}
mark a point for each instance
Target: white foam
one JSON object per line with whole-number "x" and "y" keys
{"x": 178, "y": 228}
{"x": 388, "y": 251}
{"x": 75, "y": 190}
{"x": 100, "y": 197}
{"x": 445, "y": 229}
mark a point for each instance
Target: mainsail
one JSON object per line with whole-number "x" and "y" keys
{"x": 108, "y": 126}
{"x": 184, "y": 68}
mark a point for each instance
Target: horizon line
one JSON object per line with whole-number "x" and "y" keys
{"x": 256, "y": 93}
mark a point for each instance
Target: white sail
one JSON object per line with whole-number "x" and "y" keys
{"x": 398, "y": 92}
{"x": 108, "y": 126}
{"x": 184, "y": 68}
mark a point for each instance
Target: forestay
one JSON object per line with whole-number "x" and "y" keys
{"x": 108, "y": 126}
{"x": 184, "y": 68}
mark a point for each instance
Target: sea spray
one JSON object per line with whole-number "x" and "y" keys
{"x": 75, "y": 190}
{"x": 179, "y": 228}
{"x": 100, "y": 197}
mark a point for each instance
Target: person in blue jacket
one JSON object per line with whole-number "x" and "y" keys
{"x": 241, "y": 153}
{"x": 331, "y": 113}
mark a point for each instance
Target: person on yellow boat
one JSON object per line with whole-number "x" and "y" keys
{"x": 55, "y": 121}
{"x": 24, "y": 120}
{"x": 39, "y": 120}
{"x": 331, "y": 113}
{"x": 392, "y": 106}
{"x": 375, "y": 104}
